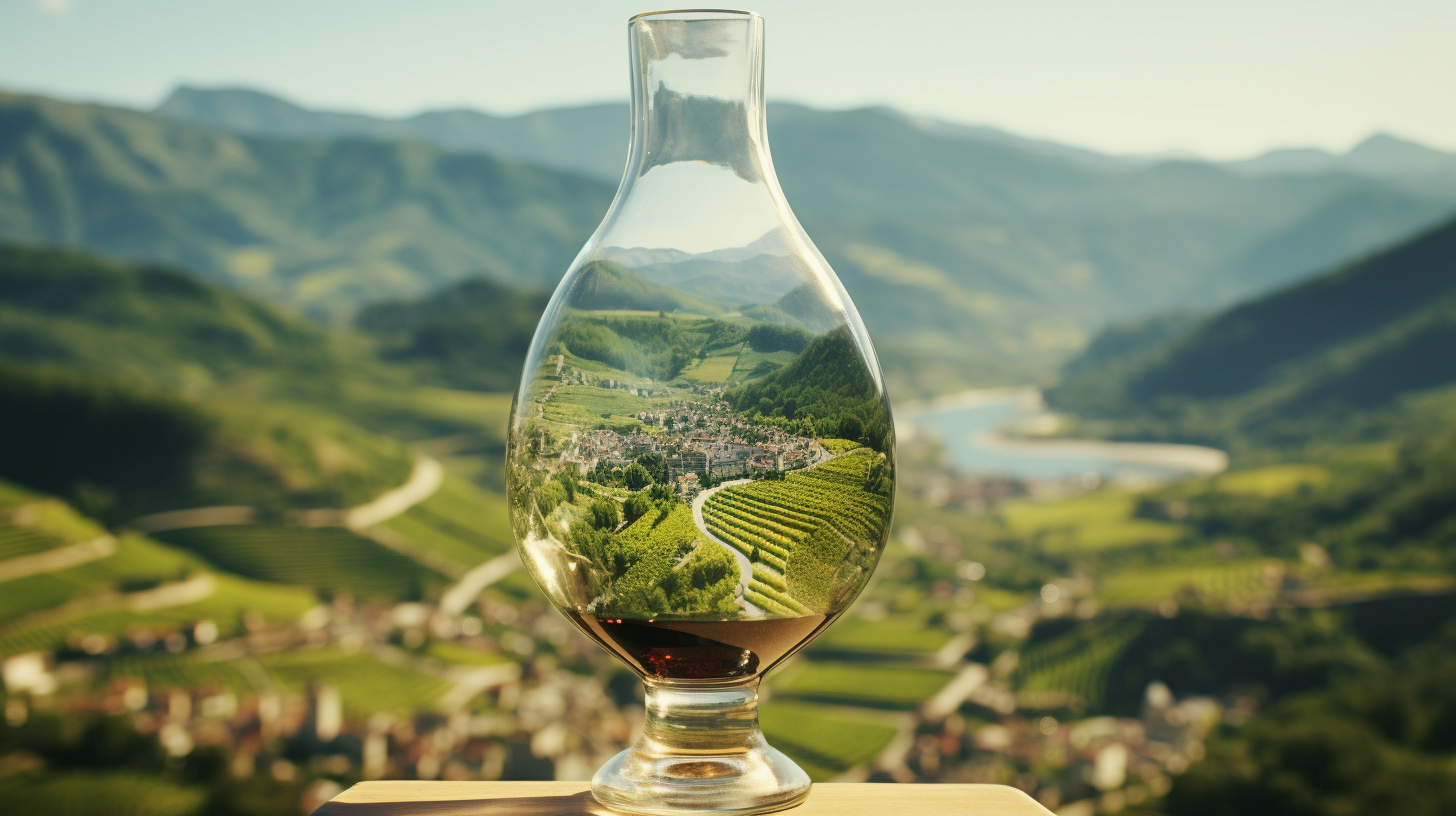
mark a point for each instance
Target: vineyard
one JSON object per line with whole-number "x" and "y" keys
{"x": 868, "y": 685}
{"x": 800, "y": 532}
{"x": 329, "y": 558}
{"x": 825, "y": 741}
{"x": 1073, "y": 668}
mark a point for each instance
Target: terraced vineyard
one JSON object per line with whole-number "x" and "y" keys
{"x": 329, "y": 558}
{"x": 769, "y": 521}
{"x": 1073, "y": 668}
{"x": 871, "y": 686}
{"x": 20, "y": 541}
{"x": 460, "y": 523}
{"x": 824, "y": 741}
{"x": 1232, "y": 584}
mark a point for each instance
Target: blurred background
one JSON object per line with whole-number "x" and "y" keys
{"x": 1166, "y": 295}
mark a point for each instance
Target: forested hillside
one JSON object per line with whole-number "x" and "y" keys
{"x": 975, "y": 256}
{"x": 1356, "y": 339}
{"x": 323, "y": 224}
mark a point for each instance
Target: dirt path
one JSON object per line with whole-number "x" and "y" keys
{"x": 57, "y": 559}
{"x": 424, "y": 480}
{"x": 745, "y": 567}
{"x": 459, "y": 597}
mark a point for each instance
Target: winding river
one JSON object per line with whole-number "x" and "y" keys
{"x": 973, "y": 426}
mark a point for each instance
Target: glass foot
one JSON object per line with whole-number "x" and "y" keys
{"x": 701, "y": 752}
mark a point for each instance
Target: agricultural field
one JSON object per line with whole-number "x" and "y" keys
{"x": 799, "y": 532}
{"x": 328, "y": 558}
{"x": 184, "y": 671}
{"x": 1271, "y": 481}
{"x": 460, "y": 523}
{"x": 717, "y": 367}
{"x": 825, "y": 741}
{"x": 871, "y": 686}
{"x": 1073, "y": 669}
{"x": 111, "y": 615}
{"x": 81, "y": 793}
{"x": 138, "y": 563}
{"x": 1097, "y": 521}
{"x": 902, "y": 634}
{"x": 752, "y": 364}
{"x": 366, "y": 684}
{"x": 1217, "y": 584}
{"x": 586, "y": 406}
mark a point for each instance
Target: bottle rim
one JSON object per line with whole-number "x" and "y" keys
{"x": 698, "y": 14}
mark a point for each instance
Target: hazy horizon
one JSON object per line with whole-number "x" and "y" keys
{"x": 1231, "y": 82}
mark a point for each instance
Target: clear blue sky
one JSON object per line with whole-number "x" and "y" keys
{"x": 1224, "y": 79}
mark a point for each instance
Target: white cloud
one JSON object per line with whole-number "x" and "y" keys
{"x": 54, "y": 7}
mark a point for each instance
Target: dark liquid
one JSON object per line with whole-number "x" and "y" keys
{"x": 701, "y": 650}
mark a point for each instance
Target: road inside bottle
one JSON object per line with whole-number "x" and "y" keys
{"x": 745, "y": 567}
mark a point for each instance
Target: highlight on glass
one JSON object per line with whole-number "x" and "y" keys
{"x": 700, "y": 460}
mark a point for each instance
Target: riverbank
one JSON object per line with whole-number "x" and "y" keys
{"x": 973, "y": 428}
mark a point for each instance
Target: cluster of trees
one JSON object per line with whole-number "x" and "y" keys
{"x": 826, "y": 391}
{"x": 649, "y": 561}
{"x": 1378, "y": 741}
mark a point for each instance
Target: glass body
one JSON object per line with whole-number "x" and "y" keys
{"x": 700, "y": 460}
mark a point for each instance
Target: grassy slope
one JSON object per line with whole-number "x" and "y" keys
{"x": 321, "y": 224}
{"x": 1321, "y": 358}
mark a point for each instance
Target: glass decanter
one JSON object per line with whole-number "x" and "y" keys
{"x": 700, "y": 459}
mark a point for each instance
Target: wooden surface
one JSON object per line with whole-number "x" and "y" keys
{"x": 574, "y": 799}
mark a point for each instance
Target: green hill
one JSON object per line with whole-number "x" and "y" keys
{"x": 974, "y": 255}
{"x": 473, "y": 334}
{"x": 137, "y": 389}
{"x": 603, "y": 285}
{"x": 1358, "y": 338}
{"x": 323, "y": 224}
{"x": 144, "y": 323}
{"x": 827, "y": 385}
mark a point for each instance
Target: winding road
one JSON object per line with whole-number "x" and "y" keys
{"x": 745, "y": 567}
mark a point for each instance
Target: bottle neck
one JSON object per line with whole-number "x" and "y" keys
{"x": 697, "y": 93}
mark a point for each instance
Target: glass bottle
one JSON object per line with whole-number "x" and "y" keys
{"x": 700, "y": 460}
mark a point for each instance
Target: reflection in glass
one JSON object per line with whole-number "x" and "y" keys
{"x": 701, "y": 454}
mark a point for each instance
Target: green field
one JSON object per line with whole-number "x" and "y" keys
{"x": 1076, "y": 665}
{"x": 865, "y": 685}
{"x": 365, "y": 684}
{"x": 77, "y": 793}
{"x": 20, "y": 541}
{"x": 825, "y": 741}
{"x": 903, "y": 634}
{"x": 1275, "y": 480}
{"x": 1097, "y": 521}
{"x": 460, "y": 523}
{"x": 715, "y": 368}
{"x": 110, "y": 615}
{"x": 1218, "y": 584}
{"x": 587, "y": 406}
{"x": 181, "y": 671}
{"x": 329, "y": 558}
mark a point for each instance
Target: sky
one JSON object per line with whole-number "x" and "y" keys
{"x": 1221, "y": 79}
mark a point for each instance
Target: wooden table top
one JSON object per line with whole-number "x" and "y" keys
{"x": 574, "y": 799}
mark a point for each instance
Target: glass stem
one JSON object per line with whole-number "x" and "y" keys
{"x": 701, "y": 720}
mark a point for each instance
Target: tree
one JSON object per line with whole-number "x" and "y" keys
{"x": 637, "y": 506}
{"x": 636, "y": 476}
{"x": 605, "y": 514}
{"x": 656, "y": 465}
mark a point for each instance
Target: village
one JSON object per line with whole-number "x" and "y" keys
{"x": 701, "y": 440}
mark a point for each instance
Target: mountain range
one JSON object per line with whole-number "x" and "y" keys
{"x": 1318, "y": 355}
{"x": 974, "y": 255}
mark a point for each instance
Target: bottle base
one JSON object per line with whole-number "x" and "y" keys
{"x": 760, "y": 780}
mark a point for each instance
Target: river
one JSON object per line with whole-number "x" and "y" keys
{"x": 973, "y": 427}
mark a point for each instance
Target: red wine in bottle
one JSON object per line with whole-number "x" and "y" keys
{"x": 701, "y": 650}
